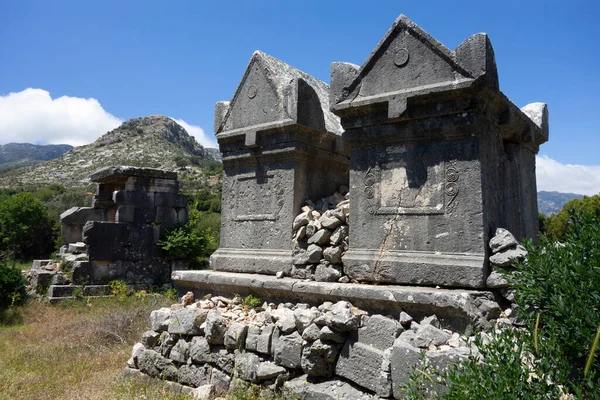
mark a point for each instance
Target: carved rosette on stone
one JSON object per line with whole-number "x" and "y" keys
{"x": 439, "y": 159}
{"x": 281, "y": 145}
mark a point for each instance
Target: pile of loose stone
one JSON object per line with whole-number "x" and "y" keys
{"x": 321, "y": 238}
{"x": 210, "y": 343}
{"x": 506, "y": 252}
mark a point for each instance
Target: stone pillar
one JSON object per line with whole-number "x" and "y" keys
{"x": 280, "y": 146}
{"x": 439, "y": 159}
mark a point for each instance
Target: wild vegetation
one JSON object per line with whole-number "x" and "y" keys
{"x": 557, "y": 294}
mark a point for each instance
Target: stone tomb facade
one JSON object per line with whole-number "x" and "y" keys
{"x": 280, "y": 146}
{"x": 130, "y": 212}
{"x": 440, "y": 158}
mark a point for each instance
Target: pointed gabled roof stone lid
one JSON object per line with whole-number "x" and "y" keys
{"x": 409, "y": 62}
{"x": 273, "y": 93}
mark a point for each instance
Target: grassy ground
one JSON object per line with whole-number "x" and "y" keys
{"x": 78, "y": 349}
{"x": 74, "y": 350}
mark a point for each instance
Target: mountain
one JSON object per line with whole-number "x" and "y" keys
{"x": 16, "y": 155}
{"x": 552, "y": 202}
{"x": 155, "y": 141}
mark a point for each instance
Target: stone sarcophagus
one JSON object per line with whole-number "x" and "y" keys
{"x": 281, "y": 145}
{"x": 439, "y": 159}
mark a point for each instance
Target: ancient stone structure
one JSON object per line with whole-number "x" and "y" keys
{"x": 280, "y": 146}
{"x": 440, "y": 162}
{"x": 440, "y": 158}
{"x": 130, "y": 212}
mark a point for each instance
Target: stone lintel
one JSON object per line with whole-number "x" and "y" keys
{"x": 455, "y": 307}
{"x": 108, "y": 174}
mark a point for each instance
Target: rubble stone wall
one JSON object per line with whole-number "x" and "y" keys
{"x": 210, "y": 342}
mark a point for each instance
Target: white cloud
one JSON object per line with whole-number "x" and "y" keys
{"x": 33, "y": 116}
{"x": 197, "y": 132}
{"x": 569, "y": 178}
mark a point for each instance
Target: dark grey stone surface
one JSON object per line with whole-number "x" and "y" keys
{"x": 328, "y": 390}
{"x": 439, "y": 159}
{"x": 360, "y": 363}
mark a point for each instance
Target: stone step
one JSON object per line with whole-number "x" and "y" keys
{"x": 456, "y": 308}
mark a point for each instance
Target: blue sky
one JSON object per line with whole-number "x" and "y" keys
{"x": 94, "y": 64}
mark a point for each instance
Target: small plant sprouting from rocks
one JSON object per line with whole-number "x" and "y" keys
{"x": 252, "y": 302}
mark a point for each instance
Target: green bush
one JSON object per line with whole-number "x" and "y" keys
{"x": 26, "y": 230}
{"x": 557, "y": 294}
{"x": 12, "y": 287}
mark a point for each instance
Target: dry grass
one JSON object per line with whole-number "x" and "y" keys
{"x": 73, "y": 350}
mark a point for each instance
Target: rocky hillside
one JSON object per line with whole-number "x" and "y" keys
{"x": 155, "y": 141}
{"x": 552, "y": 202}
{"x": 16, "y": 155}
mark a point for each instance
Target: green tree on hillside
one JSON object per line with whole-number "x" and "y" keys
{"x": 557, "y": 226}
{"x": 26, "y": 230}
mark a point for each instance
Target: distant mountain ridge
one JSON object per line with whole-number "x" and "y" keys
{"x": 16, "y": 155}
{"x": 155, "y": 141}
{"x": 552, "y": 202}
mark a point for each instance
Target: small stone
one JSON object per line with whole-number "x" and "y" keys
{"x": 286, "y": 321}
{"x": 187, "y": 299}
{"x": 268, "y": 370}
{"x": 431, "y": 320}
{"x": 187, "y": 321}
{"x": 341, "y": 317}
{"x": 344, "y": 279}
{"x": 454, "y": 340}
{"x": 149, "y": 339}
{"x": 407, "y": 336}
{"x": 216, "y": 327}
{"x": 321, "y": 237}
{"x": 199, "y": 350}
{"x": 301, "y": 233}
{"x": 405, "y": 319}
{"x": 428, "y": 335}
{"x": 279, "y": 274}
{"x": 301, "y": 220}
{"x": 496, "y": 281}
{"x": 327, "y": 273}
{"x": 314, "y": 253}
{"x": 311, "y": 333}
{"x": 304, "y": 317}
{"x": 329, "y": 222}
{"x": 318, "y": 359}
{"x": 333, "y": 254}
{"x": 136, "y": 355}
{"x": 246, "y": 366}
{"x": 235, "y": 337}
{"x": 329, "y": 334}
{"x": 180, "y": 352}
{"x": 160, "y": 319}
{"x": 204, "y": 392}
{"x": 502, "y": 240}
{"x": 508, "y": 257}
{"x": 340, "y": 233}
{"x": 288, "y": 351}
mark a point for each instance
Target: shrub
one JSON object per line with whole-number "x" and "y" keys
{"x": 26, "y": 230}
{"x": 12, "y": 287}
{"x": 118, "y": 289}
{"x": 557, "y": 293}
{"x": 557, "y": 226}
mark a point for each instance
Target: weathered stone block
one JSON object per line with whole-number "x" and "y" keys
{"x": 379, "y": 332}
{"x": 180, "y": 352}
{"x": 235, "y": 337}
{"x": 160, "y": 319}
{"x": 200, "y": 351}
{"x": 194, "y": 376}
{"x": 187, "y": 321}
{"x": 361, "y": 364}
{"x": 216, "y": 327}
{"x": 318, "y": 358}
{"x": 288, "y": 351}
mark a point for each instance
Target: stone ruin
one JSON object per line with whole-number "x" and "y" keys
{"x": 440, "y": 170}
{"x": 115, "y": 238}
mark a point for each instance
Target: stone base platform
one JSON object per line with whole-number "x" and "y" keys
{"x": 456, "y": 308}
{"x": 65, "y": 292}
